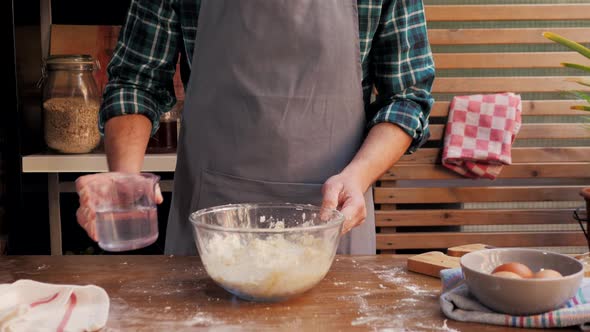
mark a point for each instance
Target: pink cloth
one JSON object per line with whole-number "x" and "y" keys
{"x": 480, "y": 132}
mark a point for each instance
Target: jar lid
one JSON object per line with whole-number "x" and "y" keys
{"x": 67, "y": 62}
{"x": 71, "y": 62}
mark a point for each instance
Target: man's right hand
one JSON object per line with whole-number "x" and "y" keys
{"x": 125, "y": 140}
{"x": 99, "y": 189}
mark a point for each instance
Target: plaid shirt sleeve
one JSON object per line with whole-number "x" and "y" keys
{"x": 142, "y": 68}
{"x": 403, "y": 69}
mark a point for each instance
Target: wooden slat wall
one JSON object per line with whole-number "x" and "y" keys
{"x": 514, "y": 171}
{"x": 473, "y": 217}
{"x": 553, "y": 174}
{"x": 477, "y": 194}
{"x": 500, "y": 61}
{"x": 499, "y": 239}
{"x": 526, "y": 36}
{"x": 534, "y": 131}
{"x": 519, "y": 155}
{"x": 529, "y": 108}
{"x": 545, "y": 12}
{"x": 458, "y": 85}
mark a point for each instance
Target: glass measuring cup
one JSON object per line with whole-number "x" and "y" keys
{"x": 126, "y": 210}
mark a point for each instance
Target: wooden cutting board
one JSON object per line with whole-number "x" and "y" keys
{"x": 465, "y": 249}
{"x": 432, "y": 262}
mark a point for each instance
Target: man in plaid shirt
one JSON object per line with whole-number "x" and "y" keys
{"x": 289, "y": 69}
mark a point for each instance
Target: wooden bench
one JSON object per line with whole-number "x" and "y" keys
{"x": 551, "y": 159}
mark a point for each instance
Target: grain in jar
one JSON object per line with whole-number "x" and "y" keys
{"x": 71, "y": 103}
{"x": 71, "y": 124}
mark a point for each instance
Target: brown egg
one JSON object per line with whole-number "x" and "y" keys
{"x": 507, "y": 274}
{"x": 546, "y": 274}
{"x": 514, "y": 267}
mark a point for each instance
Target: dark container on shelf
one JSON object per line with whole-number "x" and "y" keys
{"x": 165, "y": 139}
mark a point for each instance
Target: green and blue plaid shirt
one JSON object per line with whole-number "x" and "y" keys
{"x": 395, "y": 54}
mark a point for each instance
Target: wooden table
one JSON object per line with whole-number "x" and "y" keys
{"x": 165, "y": 293}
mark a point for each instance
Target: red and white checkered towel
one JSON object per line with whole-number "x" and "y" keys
{"x": 480, "y": 132}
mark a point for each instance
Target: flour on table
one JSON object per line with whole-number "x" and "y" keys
{"x": 416, "y": 289}
{"x": 405, "y": 313}
{"x": 392, "y": 275}
{"x": 396, "y": 276}
{"x": 444, "y": 327}
{"x": 202, "y": 319}
{"x": 410, "y": 300}
{"x": 128, "y": 318}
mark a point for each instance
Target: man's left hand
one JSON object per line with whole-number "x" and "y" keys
{"x": 346, "y": 194}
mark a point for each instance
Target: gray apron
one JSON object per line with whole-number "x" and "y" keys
{"x": 274, "y": 107}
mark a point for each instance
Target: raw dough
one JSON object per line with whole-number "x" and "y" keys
{"x": 268, "y": 267}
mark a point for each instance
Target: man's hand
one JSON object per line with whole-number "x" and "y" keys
{"x": 384, "y": 145}
{"x": 346, "y": 194}
{"x": 118, "y": 189}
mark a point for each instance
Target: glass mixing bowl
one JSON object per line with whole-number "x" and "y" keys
{"x": 267, "y": 252}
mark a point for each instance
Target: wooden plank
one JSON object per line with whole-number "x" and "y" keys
{"x": 97, "y": 41}
{"x": 505, "y": 60}
{"x": 519, "y": 155}
{"x": 477, "y": 194}
{"x": 460, "y": 251}
{"x": 538, "y": 12}
{"x": 55, "y": 235}
{"x": 497, "y": 239}
{"x": 502, "y": 36}
{"x": 529, "y": 108}
{"x": 436, "y": 132}
{"x": 90, "y": 163}
{"x": 501, "y": 84}
{"x": 431, "y": 263}
{"x": 534, "y": 131}
{"x": 422, "y": 156}
{"x": 553, "y": 131}
{"x": 455, "y": 217}
{"x": 514, "y": 171}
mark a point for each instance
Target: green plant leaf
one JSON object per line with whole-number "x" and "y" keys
{"x": 580, "y": 81}
{"x": 581, "y": 108}
{"x": 581, "y": 95}
{"x": 568, "y": 43}
{"x": 576, "y": 66}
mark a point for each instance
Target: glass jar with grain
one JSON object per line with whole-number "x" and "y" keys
{"x": 71, "y": 102}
